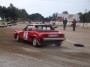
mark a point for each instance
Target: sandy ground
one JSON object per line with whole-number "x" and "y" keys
{"x": 14, "y": 54}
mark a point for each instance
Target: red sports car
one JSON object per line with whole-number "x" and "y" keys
{"x": 40, "y": 34}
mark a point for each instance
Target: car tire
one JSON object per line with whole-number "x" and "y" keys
{"x": 18, "y": 38}
{"x": 35, "y": 42}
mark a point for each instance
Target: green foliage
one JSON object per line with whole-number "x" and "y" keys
{"x": 12, "y": 12}
{"x": 54, "y": 16}
{"x": 36, "y": 17}
{"x": 84, "y": 17}
{"x": 65, "y": 12}
{"x": 0, "y": 10}
{"x": 48, "y": 19}
{"x": 88, "y": 16}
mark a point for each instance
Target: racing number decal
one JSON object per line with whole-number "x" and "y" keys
{"x": 25, "y": 36}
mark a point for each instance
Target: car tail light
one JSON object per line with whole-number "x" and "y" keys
{"x": 45, "y": 35}
{"x": 61, "y": 35}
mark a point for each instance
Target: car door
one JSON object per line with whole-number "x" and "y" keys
{"x": 27, "y": 32}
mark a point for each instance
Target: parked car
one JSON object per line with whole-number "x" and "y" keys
{"x": 40, "y": 34}
{"x": 3, "y": 25}
{"x": 9, "y": 24}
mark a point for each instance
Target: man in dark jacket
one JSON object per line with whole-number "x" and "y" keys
{"x": 64, "y": 23}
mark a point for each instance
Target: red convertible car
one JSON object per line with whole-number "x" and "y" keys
{"x": 40, "y": 34}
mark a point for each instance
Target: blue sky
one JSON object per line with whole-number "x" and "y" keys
{"x": 48, "y": 7}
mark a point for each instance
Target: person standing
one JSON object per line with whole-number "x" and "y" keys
{"x": 29, "y": 21}
{"x": 64, "y": 23}
{"x": 74, "y": 24}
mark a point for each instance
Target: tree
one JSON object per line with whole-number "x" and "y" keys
{"x": 80, "y": 16}
{"x": 0, "y": 10}
{"x": 48, "y": 19}
{"x": 12, "y": 12}
{"x": 3, "y": 13}
{"x": 36, "y": 17}
{"x": 65, "y": 12}
{"x": 88, "y": 16}
{"x": 54, "y": 16}
{"x": 84, "y": 17}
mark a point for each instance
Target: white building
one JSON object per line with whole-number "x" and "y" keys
{"x": 69, "y": 17}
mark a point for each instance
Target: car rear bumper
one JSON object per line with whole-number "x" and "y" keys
{"x": 46, "y": 39}
{"x": 51, "y": 40}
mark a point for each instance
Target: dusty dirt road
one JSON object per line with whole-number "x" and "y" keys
{"x": 14, "y": 54}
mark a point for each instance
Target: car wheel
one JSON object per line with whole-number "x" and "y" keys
{"x": 18, "y": 38}
{"x": 35, "y": 42}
